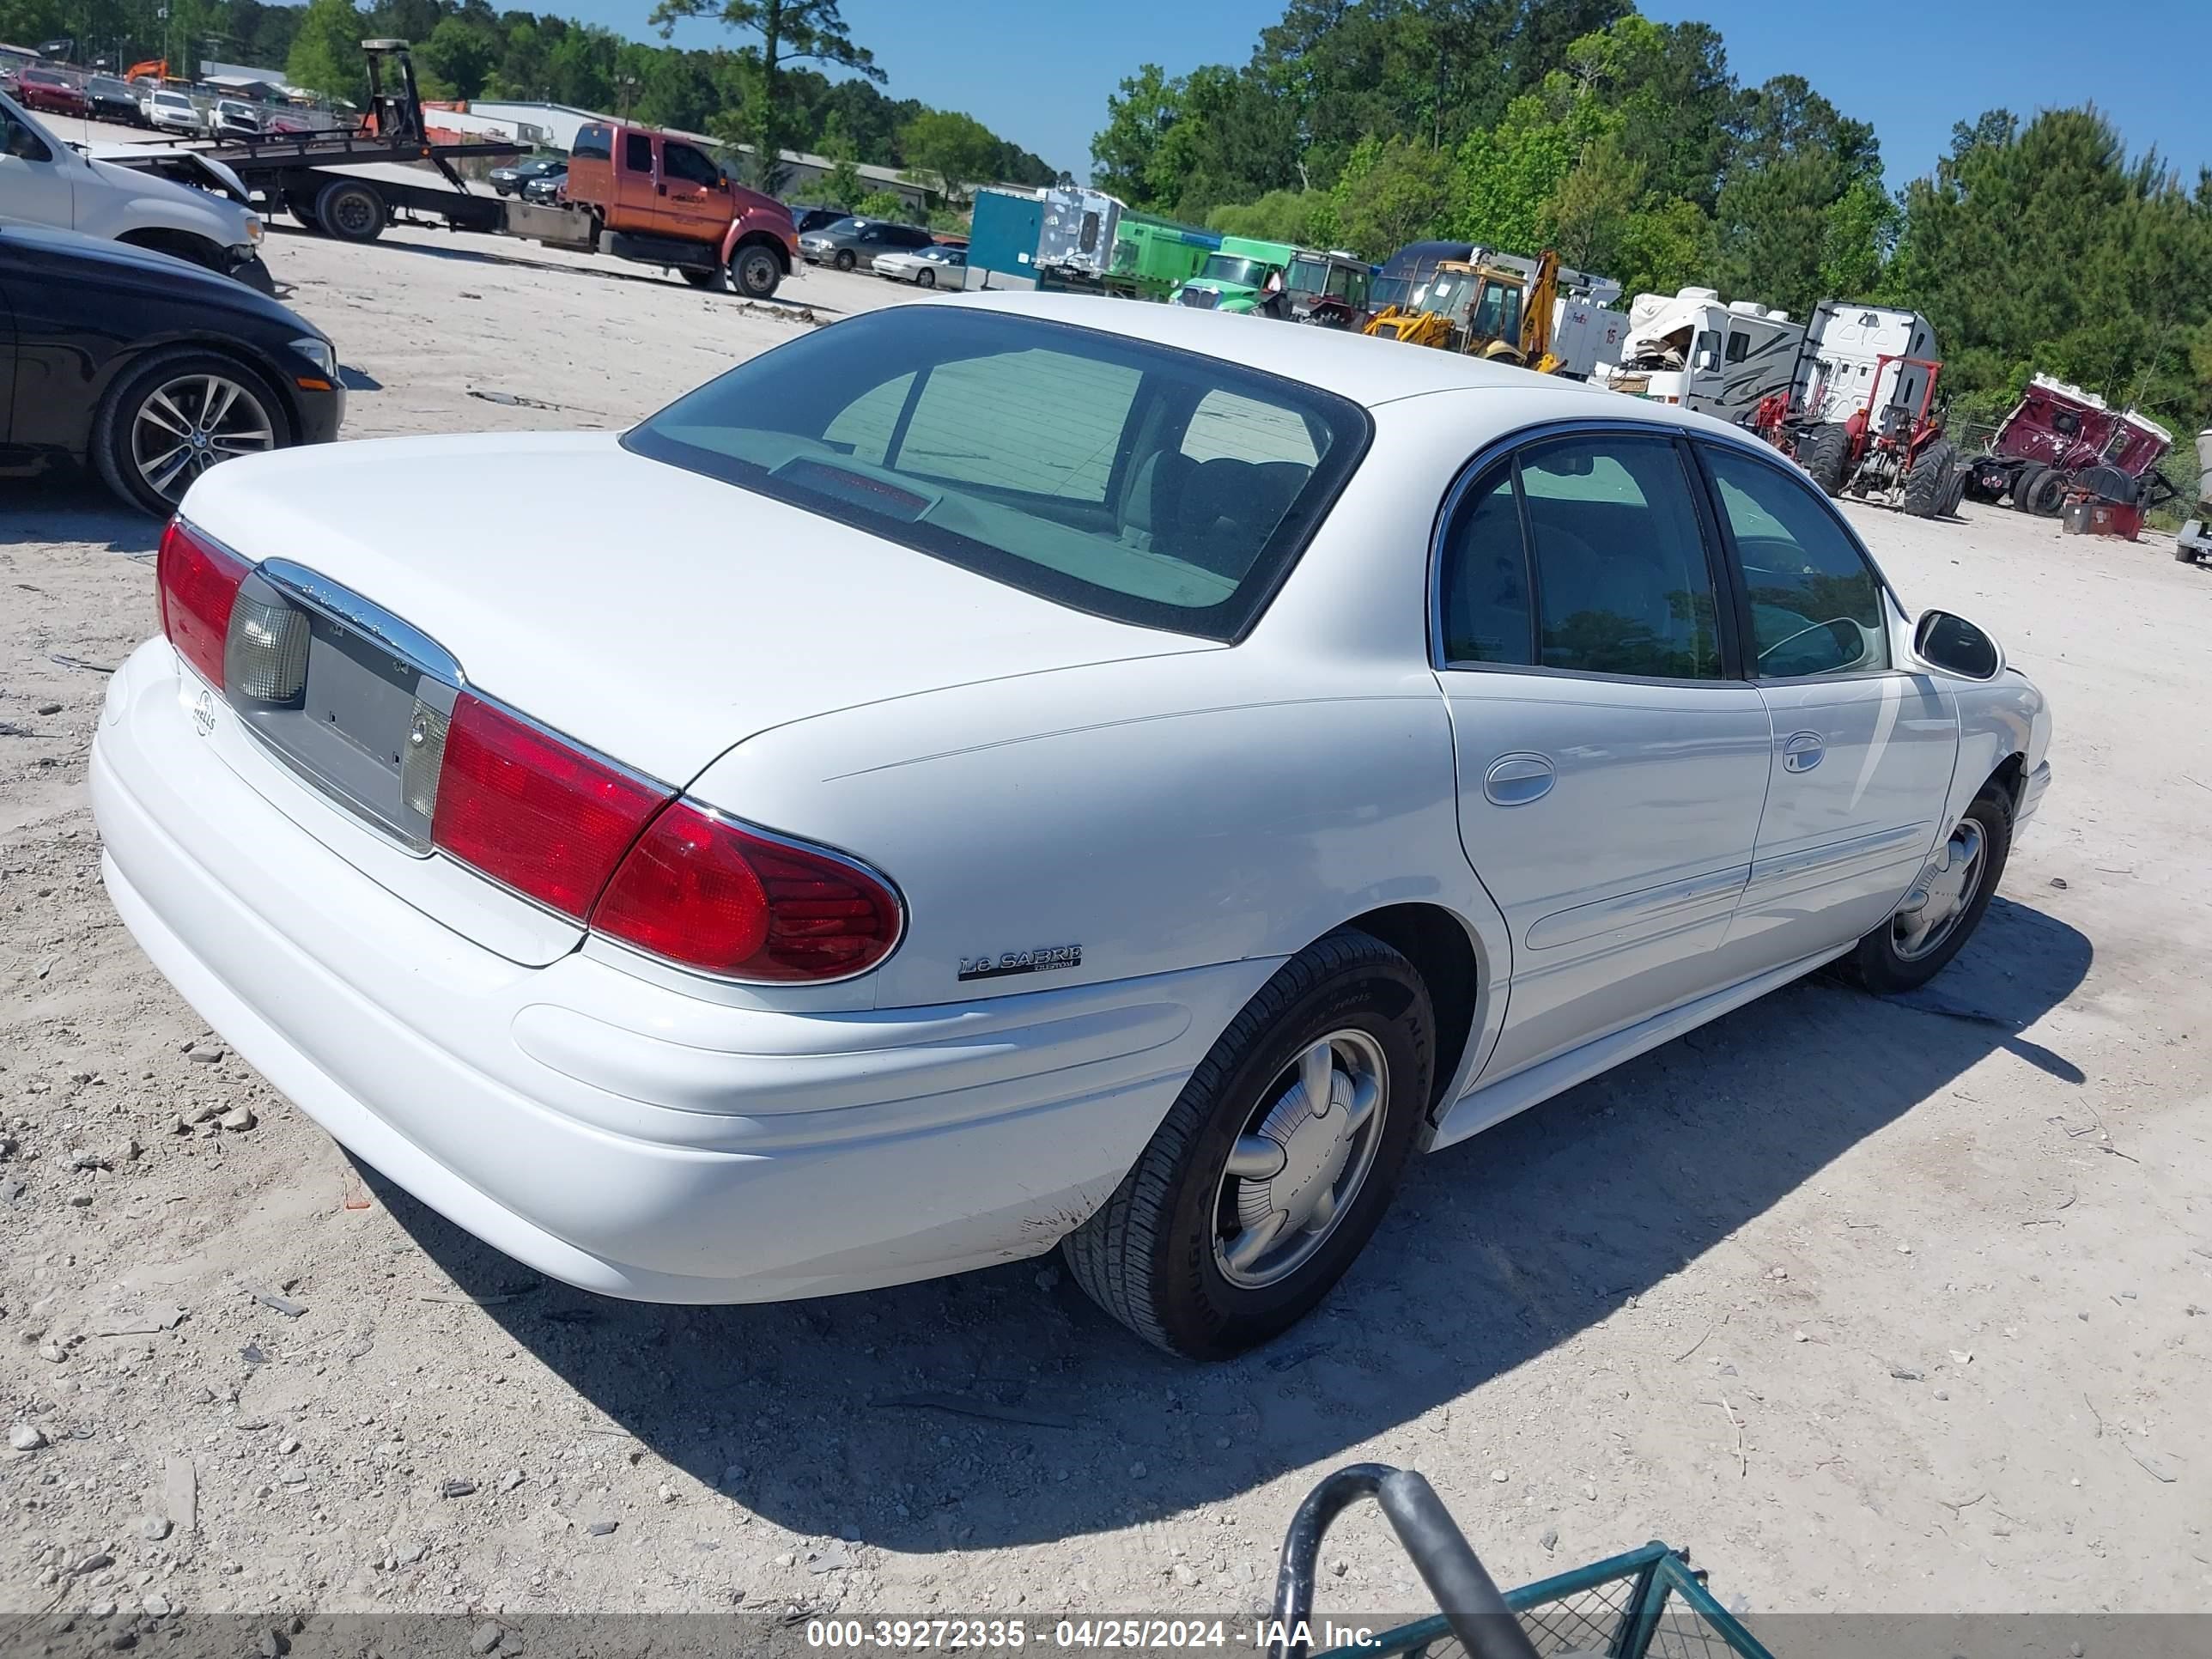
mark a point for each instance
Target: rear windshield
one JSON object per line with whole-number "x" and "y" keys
{"x": 1131, "y": 481}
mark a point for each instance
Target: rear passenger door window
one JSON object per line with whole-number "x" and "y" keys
{"x": 637, "y": 152}
{"x": 1815, "y": 603}
{"x": 1622, "y": 583}
{"x": 1585, "y": 554}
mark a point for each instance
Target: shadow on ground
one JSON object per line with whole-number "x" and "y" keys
{"x": 851, "y": 1415}
{"x": 68, "y": 505}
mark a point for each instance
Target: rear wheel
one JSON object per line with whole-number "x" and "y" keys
{"x": 755, "y": 273}
{"x": 1275, "y": 1163}
{"x": 710, "y": 281}
{"x": 1955, "y": 494}
{"x": 2049, "y": 495}
{"x": 1824, "y": 452}
{"x": 1928, "y": 486}
{"x": 351, "y": 210}
{"x": 301, "y": 204}
{"x": 175, "y": 415}
{"x": 2023, "y": 487}
{"x": 1944, "y": 905}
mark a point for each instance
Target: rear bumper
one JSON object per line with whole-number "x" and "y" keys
{"x": 604, "y": 1129}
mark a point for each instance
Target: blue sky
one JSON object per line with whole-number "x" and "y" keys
{"x": 1040, "y": 74}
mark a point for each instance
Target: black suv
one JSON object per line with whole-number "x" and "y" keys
{"x": 849, "y": 241}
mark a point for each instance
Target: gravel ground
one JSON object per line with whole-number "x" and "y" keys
{"x": 1878, "y": 1306}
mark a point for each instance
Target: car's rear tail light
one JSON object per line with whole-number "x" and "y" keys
{"x": 702, "y": 892}
{"x": 533, "y": 810}
{"x": 198, "y": 585}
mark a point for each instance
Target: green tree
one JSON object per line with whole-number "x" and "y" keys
{"x": 957, "y": 150}
{"x": 325, "y": 55}
{"x": 1390, "y": 192}
{"x": 884, "y": 204}
{"x": 1125, "y": 152}
{"x": 458, "y": 56}
{"x": 790, "y": 31}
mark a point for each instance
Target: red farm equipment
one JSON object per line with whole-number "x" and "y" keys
{"x": 1889, "y": 448}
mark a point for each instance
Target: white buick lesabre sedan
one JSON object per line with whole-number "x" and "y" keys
{"x": 1022, "y": 772}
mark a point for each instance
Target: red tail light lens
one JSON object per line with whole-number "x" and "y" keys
{"x": 533, "y": 810}
{"x": 198, "y": 584}
{"x": 701, "y": 892}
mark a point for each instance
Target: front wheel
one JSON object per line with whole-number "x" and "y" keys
{"x": 925, "y": 277}
{"x": 844, "y": 261}
{"x": 1275, "y": 1163}
{"x": 174, "y": 416}
{"x": 755, "y": 273}
{"x": 1944, "y": 905}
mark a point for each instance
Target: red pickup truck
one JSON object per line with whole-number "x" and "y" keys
{"x": 659, "y": 200}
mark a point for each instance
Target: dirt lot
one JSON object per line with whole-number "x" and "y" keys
{"x": 1877, "y": 1306}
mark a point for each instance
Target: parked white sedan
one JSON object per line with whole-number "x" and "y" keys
{"x": 1020, "y": 772}
{"x": 928, "y": 267}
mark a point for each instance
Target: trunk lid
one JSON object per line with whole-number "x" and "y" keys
{"x": 653, "y": 615}
{"x": 656, "y": 615}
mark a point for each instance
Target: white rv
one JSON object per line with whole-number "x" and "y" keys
{"x": 1690, "y": 349}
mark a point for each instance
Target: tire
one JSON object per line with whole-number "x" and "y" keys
{"x": 2023, "y": 487}
{"x": 755, "y": 273}
{"x": 301, "y": 204}
{"x": 351, "y": 211}
{"x": 925, "y": 277}
{"x": 711, "y": 282}
{"x": 1155, "y": 1257}
{"x": 843, "y": 259}
{"x": 124, "y": 437}
{"x": 1954, "y": 495}
{"x": 1824, "y": 452}
{"x": 1928, "y": 484}
{"x": 1880, "y": 965}
{"x": 2049, "y": 496}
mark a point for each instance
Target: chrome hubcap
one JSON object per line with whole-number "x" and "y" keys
{"x": 1292, "y": 1175}
{"x": 1941, "y": 893}
{"x": 188, "y": 425}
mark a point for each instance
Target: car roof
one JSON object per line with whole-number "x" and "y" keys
{"x": 1366, "y": 370}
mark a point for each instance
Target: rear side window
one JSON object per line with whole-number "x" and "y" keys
{"x": 594, "y": 143}
{"x": 1583, "y": 554}
{"x": 1485, "y": 611}
{"x": 1128, "y": 480}
{"x": 637, "y": 152}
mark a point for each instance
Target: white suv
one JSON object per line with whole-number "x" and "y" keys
{"x": 45, "y": 182}
{"x": 172, "y": 110}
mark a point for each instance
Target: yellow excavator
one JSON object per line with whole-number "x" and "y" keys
{"x": 1481, "y": 307}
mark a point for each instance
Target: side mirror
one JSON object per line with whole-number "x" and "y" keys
{"x": 1951, "y": 645}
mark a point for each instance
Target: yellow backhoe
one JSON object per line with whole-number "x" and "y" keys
{"x": 1488, "y": 310}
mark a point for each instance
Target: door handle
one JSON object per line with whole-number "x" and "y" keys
{"x": 1516, "y": 780}
{"x": 661, "y": 190}
{"x": 1803, "y": 751}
